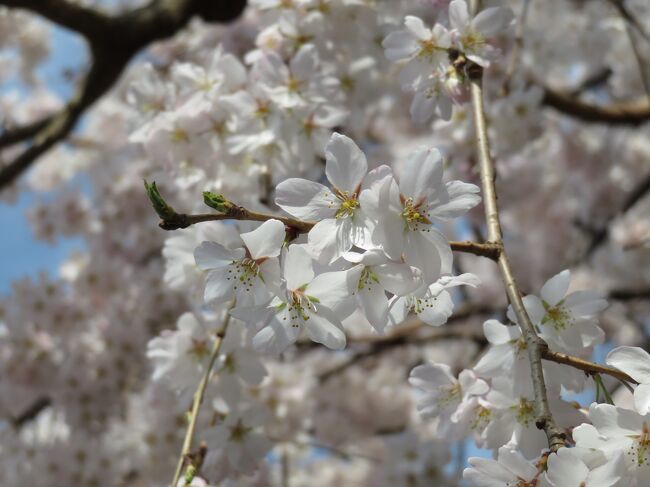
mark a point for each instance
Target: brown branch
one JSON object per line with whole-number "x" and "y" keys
{"x": 535, "y": 345}
{"x": 600, "y": 236}
{"x": 590, "y": 368}
{"x": 634, "y": 113}
{"x": 178, "y": 221}
{"x": 113, "y": 41}
{"x": 31, "y": 411}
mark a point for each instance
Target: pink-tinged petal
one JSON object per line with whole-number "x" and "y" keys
{"x": 306, "y": 200}
{"x": 492, "y": 20}
{"x": 634, "y": 361}
{"x": 266, "y": 240}
{"x": 556, "y": 287}
{"x": 211, "y": 255}
{"x": 345, "y": 164}
{"x": 421, "y": 175}
{"x": 458, "y": 14}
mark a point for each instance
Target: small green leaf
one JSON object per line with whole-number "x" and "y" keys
{"x": 163, "y": 210}
{"x": 190, "y": 473}
{"x": 217, "y": 201}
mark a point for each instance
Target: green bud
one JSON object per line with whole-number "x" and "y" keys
{"x": 159, "y": 205}
{"x": 217, "y": 201}
{"x": 190, "y": 473}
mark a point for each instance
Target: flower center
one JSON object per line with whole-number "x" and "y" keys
{"x": 525, "y": 412}
{"x": 472, "y": 40}
{"x": 558, "y": 316}
{"x": 239, "y": 432}
{"x": 642, "y": 446}
{"x": 415, "y": 214}
{"x": 367, "y": 279}
{"x": 244, "y": 272}
{"x": 349, "y": 203}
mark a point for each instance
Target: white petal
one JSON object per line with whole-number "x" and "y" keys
{"x": 431, "y": 377}
{"x": 399, "y": 45}
{"x": 277, "y": 336}
{"x": 345, "y": 164}
{"x": 211, "y": 255}
{"x": 492, "y": 20}
{"x": 642, "y": 399}
{"x": 306, "y": 200}
{"x": 398, "y": 278}
{"x": 634, "y": 361}
{"x": 461, "y": 198}
{"x": 374, "y": 304}
{"x": 217, "y": 288}
{"x": 326, "y": 329}
{"x": 330, "y": 238}
{"x": 458, "y": 14}
{"x": 422, "y": 107}
{"x": 565, "y": 469}
{"x": 497, "y": 333}
{"x": 304, "y": 63}
{"x": 421, "y": 175}
{"x": 416, "y": 26}
{"x": 266, "y": 240}
{"x": 334, "y": 290}
{"x": 438, "y": 311}
{"x": 298, "y": 267}
{"x": 556, "y": 287}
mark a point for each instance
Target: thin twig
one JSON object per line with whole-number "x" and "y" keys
{"x": 556, "y": 437}
{"x": 182, "y": 220}
{"x": 198, "y": 399}
{"x": 590, "y": 368}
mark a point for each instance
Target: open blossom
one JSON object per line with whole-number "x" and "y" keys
{"x": 635, "y": 362}
{"x": 509, "y": 469}
{"x": 577, "y": 467}
{"x": 444, "y": 396}
{"x": 432, "y": 304}
{"x": 180, "y": 356}
{"x": 614, "y": 431}
{"x": 565, "y": 320}
{"x": 378, "y": 275}
{"x": 250, "y": 273}
{"x": 472, "y": 35}
{"x": 314, "y": 303}
{"x": 405, "y": 211}
{"x": 341, "y": 221}
{"x": 237, "y": 445}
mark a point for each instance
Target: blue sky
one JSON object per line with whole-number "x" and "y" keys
{"x": 22, "y": 255}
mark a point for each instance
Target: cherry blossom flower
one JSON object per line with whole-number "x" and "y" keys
{"x": 405, "y": 212}
{"x": 250, "y": 273}
{"x": 571, "y": 467}
{"x": 510, "y": 468}
{"x": 315, "y": 303}
{"x": 341, "y": 221}
{"x": 635, "y": 362}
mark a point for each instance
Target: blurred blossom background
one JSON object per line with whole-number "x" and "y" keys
{"x": 93, "y": 293}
